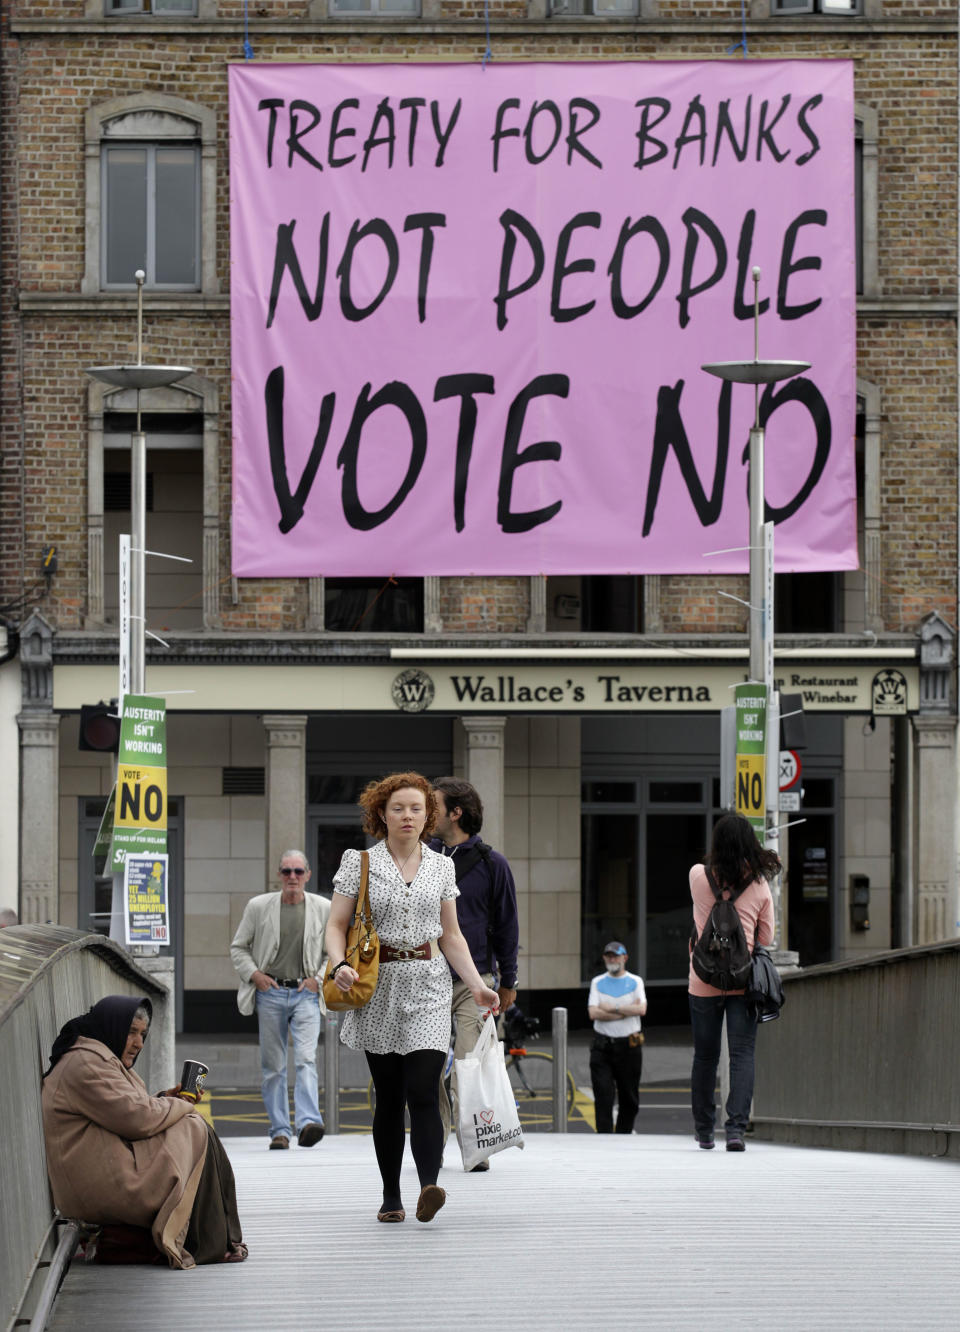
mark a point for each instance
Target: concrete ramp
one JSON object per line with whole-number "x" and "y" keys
{"x": 574, "y": 1232}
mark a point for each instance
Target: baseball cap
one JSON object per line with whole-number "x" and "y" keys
{"x": 615, "y": 947}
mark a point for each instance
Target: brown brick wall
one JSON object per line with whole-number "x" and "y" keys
{"x": 50, "y": 79}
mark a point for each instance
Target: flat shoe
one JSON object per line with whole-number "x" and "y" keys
{"x": 431, "y": 1199}
{"x": 310, "y": 1134}
{"x": 399, "y": 1215}
{"x": 237, "y": 1253}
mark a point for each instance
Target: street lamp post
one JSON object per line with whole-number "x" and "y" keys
{"x": 139, "y": 377}
{"x": 757, "y": 372}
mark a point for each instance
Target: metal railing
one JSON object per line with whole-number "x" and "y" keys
{"x": 48, "y": 975}
{"x": 866, "y": 1055}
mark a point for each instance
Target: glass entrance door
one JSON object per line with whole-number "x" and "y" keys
{"x": 329, "y": 833}
{"x": 639, "y": 839}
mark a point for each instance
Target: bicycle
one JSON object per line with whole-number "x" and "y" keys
{"x": 530, "y": 1071}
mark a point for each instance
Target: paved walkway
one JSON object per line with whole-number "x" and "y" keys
{"x": 572, "y": 1232}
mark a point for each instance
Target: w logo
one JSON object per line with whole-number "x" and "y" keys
{"x": 412, "y": 690}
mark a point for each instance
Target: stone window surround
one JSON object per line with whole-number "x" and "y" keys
{"x": 175, "y": 111}
{"x": 192, "y": 392}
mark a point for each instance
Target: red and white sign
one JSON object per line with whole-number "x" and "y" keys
{"x": 790, "y": 769}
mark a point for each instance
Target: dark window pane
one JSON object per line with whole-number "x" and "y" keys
{"x": 153, "y": 423}
{"x": 176, "y": 215}
{"x": 334, "y": 789}
{"x": 715, "y": 793}
{"x": 373, "y": 605}
{"x": 608, "y": 887}
{"x": 332, "y": 840}
{"x": 817, "y": 792}
{"x": 608, "y": 793}
{"x": 806, "y": 603}
{"x": 126, "y": 190}
{"x": 116, "y": 492}
{"x": 811, "y": 888}
{"x": 674, "y": 843}
{"x": 858, "y": 206}
{"x": 676, "y": 793}
{"x": 611, "y": 605}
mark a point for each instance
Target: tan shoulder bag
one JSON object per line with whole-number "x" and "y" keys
{"x": 363, "y": 952}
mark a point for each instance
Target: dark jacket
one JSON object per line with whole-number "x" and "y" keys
{"x": 488, "y": 896}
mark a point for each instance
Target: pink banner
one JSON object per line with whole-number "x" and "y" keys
{"x": 470, "y": 309}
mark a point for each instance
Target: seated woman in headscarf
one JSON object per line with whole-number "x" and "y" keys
{"x": 118, "y": 1156}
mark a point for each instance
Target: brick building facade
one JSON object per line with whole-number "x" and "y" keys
{"x": 601, "y": 812}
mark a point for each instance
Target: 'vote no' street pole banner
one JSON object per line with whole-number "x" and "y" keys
{"x": 470, "y": 307}
{"x": 140, "y": 796}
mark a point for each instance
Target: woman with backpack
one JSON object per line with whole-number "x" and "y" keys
{"x": 732, "y": 910}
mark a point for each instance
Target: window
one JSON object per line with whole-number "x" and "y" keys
{"x": 174, "y": 590}
{"x": 151, "y": 215}
{"x": 181, "y": 424}
{"x": 179, "y": 7}
{"x": 597, "y": 8}
{"x": 151, "y": 171}
{"x": 385, "y": 7}
{"x": 601, "y": 604}
{"x": 373, "y": 606}
{"x": 816, "y": 6}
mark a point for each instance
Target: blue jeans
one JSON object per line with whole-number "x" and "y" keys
{"x": 280, "y": 1011}
{"x": 706, "y": 1019}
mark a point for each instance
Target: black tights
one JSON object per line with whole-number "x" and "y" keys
{"x": 408, "y": 1080}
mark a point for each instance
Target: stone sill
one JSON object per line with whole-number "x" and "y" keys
{"x": 115, "y": 302}
{"x": 293, "y": 648}
{"x": 196, "y": 303}
{"x": 725, "y": 26}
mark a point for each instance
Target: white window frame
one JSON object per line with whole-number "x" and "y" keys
{"x": 559, "y": 9}
{"x": 825, "y": 8}
{"x": 151, "y": 184}
{"x": 148, "y": 9}
{"x": 150, "y": 118}
{"x": 327, "y": 9}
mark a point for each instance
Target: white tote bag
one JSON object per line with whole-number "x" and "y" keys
{"x": 487, "y": 1119}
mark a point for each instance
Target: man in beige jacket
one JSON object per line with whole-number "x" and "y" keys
{"x": 278, "y": 953}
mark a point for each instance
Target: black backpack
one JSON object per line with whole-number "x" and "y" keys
{"x": 720, "y": 956}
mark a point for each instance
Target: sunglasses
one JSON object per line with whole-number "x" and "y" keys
{"x": 614, "y": 955}
{"x": 285, "y": 869}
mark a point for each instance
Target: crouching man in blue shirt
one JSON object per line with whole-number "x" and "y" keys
{"x": 486, "y": 910}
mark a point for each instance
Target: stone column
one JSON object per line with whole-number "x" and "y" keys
{"x": 39, "y": 777}
{"x": 286, "y": 788}
{"x": 39, "y": 817}
{"x": 934, "y": 808}
{"x": 484, "y": 768}
{"x": 537, "y": 619}
{"x": 935, "y": 786}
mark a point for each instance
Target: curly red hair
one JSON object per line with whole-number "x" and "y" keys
{"x": 374, "y": 797}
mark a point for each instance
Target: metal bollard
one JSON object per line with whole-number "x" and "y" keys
{"x": 559, "y": 1070}
{"x": 331, "y": 1072}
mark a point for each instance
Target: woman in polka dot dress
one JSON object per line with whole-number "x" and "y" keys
{"x": 405, "y": 1028}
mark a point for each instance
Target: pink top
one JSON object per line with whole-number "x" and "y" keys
{"x": 755, "y": 909}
